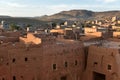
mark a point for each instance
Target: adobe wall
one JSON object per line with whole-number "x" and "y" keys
{"x": 9, "y": 39}
{"x": 90, "y": 30}
{"x": 60, "y": 31}
{"x": 27, "y": 64}
{"x": 30, "y": 38}
{"x": 59, "y": 56}
{"x": 97, "y": 34}
{"x": 107, "y": 35}
{"x": 11, "y": 34}
{"x": 115, "y": 27}
{"x": 22, "y": 63}
{"x": 36, "y": 63}
{"x": 116, "y": 34}
{"x": 4, "y": 65}
{"x": 104, "y": 61}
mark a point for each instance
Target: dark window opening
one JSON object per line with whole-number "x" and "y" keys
{"x": 112, "y": 52}
{"x": 66, "y": 64}
{"x": 54, "y": 66}
{"x": 63, "y": 78}
{"x": 95, "y": 63}
{"x": 98, "y": 76}
{"x": 14, "y": 78}
{"x": 76, "y": 62}
{"x": 26, "y": 59}
{"x": 7, "y": 64}
{"x": 3, "y": 78}
{"x": 21, "y": 76}
{"x": 33, "y": 78}
{"x": 109, "y": 67}
{"x": 13, "y": 60}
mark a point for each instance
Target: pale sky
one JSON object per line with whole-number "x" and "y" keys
{"x": 31, "y": 8}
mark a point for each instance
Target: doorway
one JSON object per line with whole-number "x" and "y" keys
{"x": 63, "y": 78}
{"x": 98, "y": 76}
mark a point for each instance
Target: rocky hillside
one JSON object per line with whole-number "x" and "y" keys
{"x": 80, "y": 15}
{"x": 64, "y": 15}
{"x": 24, "y": 21}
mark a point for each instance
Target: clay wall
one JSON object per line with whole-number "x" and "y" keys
{"x": 36, "y": 62}
{"x": 97, "y": 34}
{"x": 116, "y": 34}
{"x": 103, "y": 61}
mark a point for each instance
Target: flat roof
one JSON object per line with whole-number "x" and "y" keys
{"x": 111, "y": 44}
{"x": 103, "y": 43}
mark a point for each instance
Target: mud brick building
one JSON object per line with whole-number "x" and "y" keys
{"x": 61, "y": 60}
{"x": 103, "y": 62}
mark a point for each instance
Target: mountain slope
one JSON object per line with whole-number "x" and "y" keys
{"x": 80, "y": 15}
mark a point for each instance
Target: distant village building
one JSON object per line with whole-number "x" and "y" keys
{"x": 72, "y": 33}
{"x": 116, "y": 34}
{"x": 90, "y": 30}
{"x": 118, "y": 21}
{"x": 114, "y": 19}
{"x": 58, "y": 27}
{"x": 4, "y": 25}
{"x": 65, "y": 23}
{"x": 59, "y": 31}
{"x": 99, "y": 23}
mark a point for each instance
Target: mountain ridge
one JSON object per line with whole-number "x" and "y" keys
{"x": 80, "y": 15}
{"x": 72, "y": 15}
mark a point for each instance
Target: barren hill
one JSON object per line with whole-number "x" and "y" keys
{"x": 80, "y": 15}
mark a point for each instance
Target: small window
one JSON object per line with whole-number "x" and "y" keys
{"x": 95, "y": 63}
{"x": 66, "y": 64}
{"x": 3, "y": 78}
{"x": 76, "y": 62}
{"x": 63, "y": 78}
{"x": 109, "y": 67}
{"x": 54, "y": 66}
{"x": 26, "y": 59}
{"x": 13, "y": 60}
{"x": 7, "y": 64}
{"x": 21, "y": 77}
{"x": 14, "y": 78}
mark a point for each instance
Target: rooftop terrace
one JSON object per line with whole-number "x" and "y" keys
{"x": 104, "y": 43}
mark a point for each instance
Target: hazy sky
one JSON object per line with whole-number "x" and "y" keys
{"x": 48, "y": 7}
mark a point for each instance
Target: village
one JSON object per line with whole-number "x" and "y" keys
{"x": 67, "y": 51}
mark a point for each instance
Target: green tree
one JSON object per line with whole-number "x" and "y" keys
{"x": 53, "y": 25}
{"x": 28, "y": 25}
{"x": 14, "y": 27}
